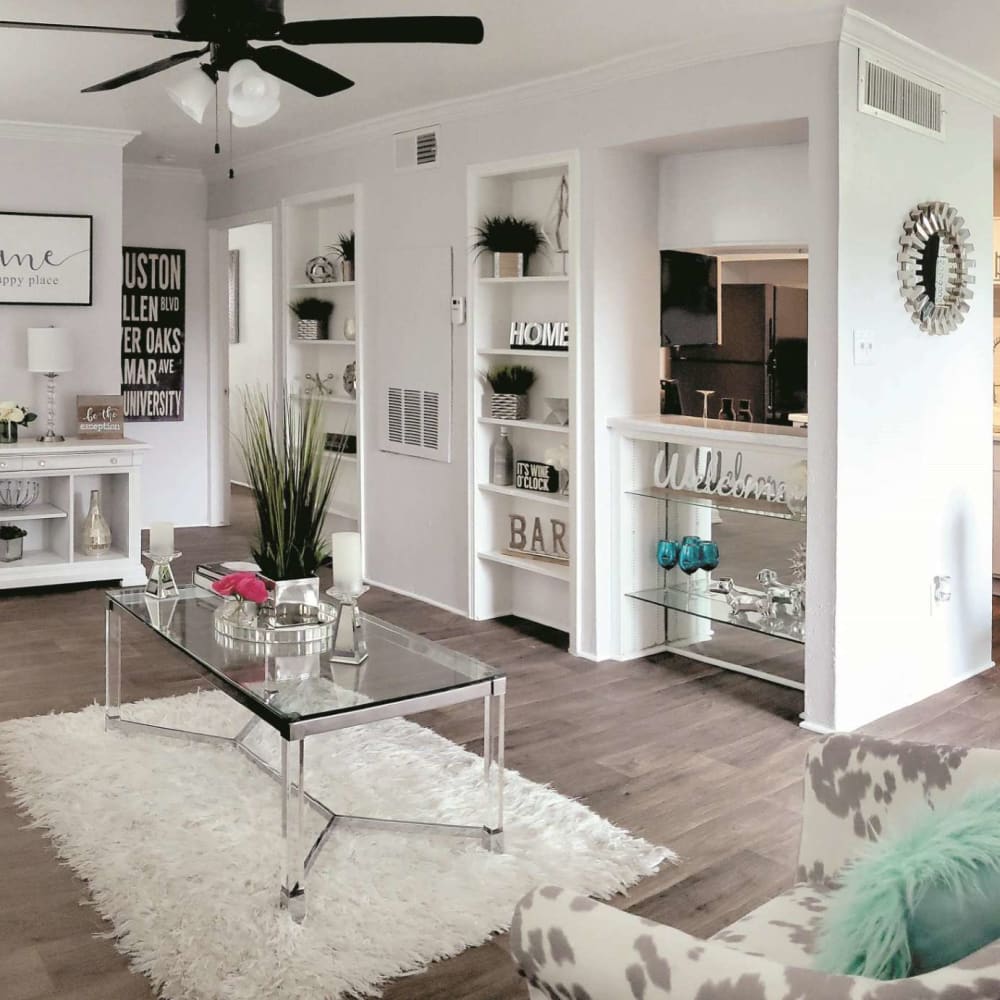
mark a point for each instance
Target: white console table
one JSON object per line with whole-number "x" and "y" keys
{"x": 66, "y": 474}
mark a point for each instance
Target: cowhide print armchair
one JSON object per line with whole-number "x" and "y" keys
{"x": 857, "y": 789}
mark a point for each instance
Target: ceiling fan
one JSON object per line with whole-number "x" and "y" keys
{"x": 226, "y": 27}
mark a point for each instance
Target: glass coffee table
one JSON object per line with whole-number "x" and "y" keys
{"x": 299, "y": 693}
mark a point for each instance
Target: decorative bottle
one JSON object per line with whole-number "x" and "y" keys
{"x": 726, "y": 412}
{"x": 502, "y": 461}
{"x": 96, "y": 534}
{"x": 743, "y": 413}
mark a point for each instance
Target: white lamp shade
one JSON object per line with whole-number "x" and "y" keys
{"x": 253, "y": 94}
{"x": 50, "y": 349}
{"x": 192, "y": 93}
{"x": 261, "y": 116}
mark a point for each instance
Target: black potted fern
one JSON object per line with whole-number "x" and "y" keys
{"x": 512, "y": 242}
{"x": 510, "y": 385}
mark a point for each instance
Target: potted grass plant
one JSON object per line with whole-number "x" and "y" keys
{"x": 11, "y": 542}
{"x": 510, "y": 385}
{"x": 314, "y": 318}
{"x": 343, "y": 250}
{"x": 512, "y": 242}
{"x": 292, "y": 476}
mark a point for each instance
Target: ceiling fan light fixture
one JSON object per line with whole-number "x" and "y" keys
{"x": 253, "y": 94}
{"x": 192, "y": 93}
{"x": 261, "y": 115}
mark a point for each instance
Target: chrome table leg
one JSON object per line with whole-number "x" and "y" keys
{"x": 293, "y": 890}
{"x": 493, "y": 737}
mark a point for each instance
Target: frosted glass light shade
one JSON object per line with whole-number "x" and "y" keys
{"x": 253, "y": 94}
{"x": 50, "y": 349}
{"x": 192, "y": 93}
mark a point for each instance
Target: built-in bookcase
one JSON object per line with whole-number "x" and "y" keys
{"x": 502, "y": 582}
{"x": 311, "y": 224}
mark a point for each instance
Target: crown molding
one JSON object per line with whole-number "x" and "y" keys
{"x": 796, "y": 31}
{"x": 162, "y": 171}
{"x": 891, "y": 46}
{"x": 46, "y": 132}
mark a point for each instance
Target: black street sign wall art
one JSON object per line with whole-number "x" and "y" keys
{"x": 46, "y": 259}
{"x": 153, "y": 293}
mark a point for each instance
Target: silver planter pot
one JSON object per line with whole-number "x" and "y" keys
{"x": 310, "y": 329}
{"x": 291, "y": 602}
{"x": 508, "y": 406}
{"x": 508, "y": 265}
{"x": 11, "y": 549}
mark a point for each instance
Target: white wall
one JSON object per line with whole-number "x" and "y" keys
{"x": 74, "y": 176}
{"x": 166, "y": 207}
{"x": 732, "y": 197}
{"x": 423, "y": 506}
{"x": 786, "y": 273}
{"x": 251, "y": 361}
{"x": 913, "y": 442}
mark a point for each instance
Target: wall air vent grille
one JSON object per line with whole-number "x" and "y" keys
{"x": 417, "y": 148}
{"x": 413, "y": 424}
{"x": 903, "y": 100}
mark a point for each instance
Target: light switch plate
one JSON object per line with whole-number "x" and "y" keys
{"x": 458, "y": 312}
{"x": 864, "y": 348}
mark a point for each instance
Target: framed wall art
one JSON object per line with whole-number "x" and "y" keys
{"x": 46, "y": 259}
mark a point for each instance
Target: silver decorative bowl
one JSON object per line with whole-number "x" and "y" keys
{"x": 16, "y": 494}
{"x": 318, "y": 631}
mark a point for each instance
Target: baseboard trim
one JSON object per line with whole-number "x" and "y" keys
{"x": 417, "y": 597}
{"x": 816, "y": 727}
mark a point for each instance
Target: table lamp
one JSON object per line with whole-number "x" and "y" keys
{"x": 50, "y": 352}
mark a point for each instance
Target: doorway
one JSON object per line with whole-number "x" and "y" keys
{"x": 245, "y": 348}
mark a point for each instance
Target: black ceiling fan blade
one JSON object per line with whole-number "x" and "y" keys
{"x": 350, "y": 30}
{"x": 299, "y": 71}
{"x": 143, "y": 71}
{"x": 44, "y": 26}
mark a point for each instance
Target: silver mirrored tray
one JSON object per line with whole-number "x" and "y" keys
{"x": 318, "y": 632}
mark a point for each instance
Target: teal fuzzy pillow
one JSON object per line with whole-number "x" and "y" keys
{"x": 920, "y": 900}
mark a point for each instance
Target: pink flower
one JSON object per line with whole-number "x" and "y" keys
{"x": 247, "y": 586}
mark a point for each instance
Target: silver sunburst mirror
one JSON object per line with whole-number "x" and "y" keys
{"x": 935, "y": 258}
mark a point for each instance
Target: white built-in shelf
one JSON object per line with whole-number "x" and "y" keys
{"x": 110, "y": 556}
{"x": 35, "y": 558}
{"x": 490, "y": 352}
{"x": 343, "y": 401}
{"x": 323, "y": 284}
{"x": 528, "y": 279}
{"x": 338, "y": 509}
{"x": 34, "y": 512}
{"x": 555, "y": 499}
{"x": 542, "y": 567}
{"x": 334, "y": 343}
{"x": 531, "y": 425}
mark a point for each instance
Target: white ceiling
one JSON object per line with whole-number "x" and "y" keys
{"x": 42, "y": 72}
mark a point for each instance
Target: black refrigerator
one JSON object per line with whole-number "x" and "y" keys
{"x": 761, "y": 355}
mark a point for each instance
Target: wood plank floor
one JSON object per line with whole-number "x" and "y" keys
{"x": 687, "y": 755}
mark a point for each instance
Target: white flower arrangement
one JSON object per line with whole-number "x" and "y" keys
{"x": 13, "y": 413}
{"x": 558, "y": 457}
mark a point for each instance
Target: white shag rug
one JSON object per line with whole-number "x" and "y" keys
{"x": 180, "y": 844}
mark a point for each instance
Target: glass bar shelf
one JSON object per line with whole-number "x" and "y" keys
{"x": 715, "y": 607}
{"x": 739, "y": 505}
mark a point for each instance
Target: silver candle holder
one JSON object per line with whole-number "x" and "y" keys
{"x": 161, "y": 582}
{"x": 349, "y": 643}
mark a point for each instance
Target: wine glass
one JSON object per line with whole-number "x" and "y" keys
{"x": 667, "y": 553}
{"x": 689, "y": 557}
{"x": 709, "y": 552}
{"x": 705, "y": 395}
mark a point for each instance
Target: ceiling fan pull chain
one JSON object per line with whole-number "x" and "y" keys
{"x": 218, "y": 147}
{"x": 232, "y": 173}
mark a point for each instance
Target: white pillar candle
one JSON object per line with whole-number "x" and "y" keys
{"x": 161, "y": 538}
{"x": 345, "y": 551}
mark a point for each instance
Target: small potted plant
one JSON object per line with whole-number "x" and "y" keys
{"x": 12, "y": 416}
{"x": 343, "y": 250}
{"x": 314, "y": 318}
{"x": 512, "y": 242}
{"x": 11, "y": 542}
{"x": 510, "y": 385}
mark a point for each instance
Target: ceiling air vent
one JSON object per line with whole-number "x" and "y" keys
{"x": 417, "y": 148}
{"x": 413, "y": 423}
{"x": 904, "y": 100}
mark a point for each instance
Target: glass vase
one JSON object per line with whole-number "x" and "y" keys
{"x": 95, "y": 538}
{"x": 8, "y": 432}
